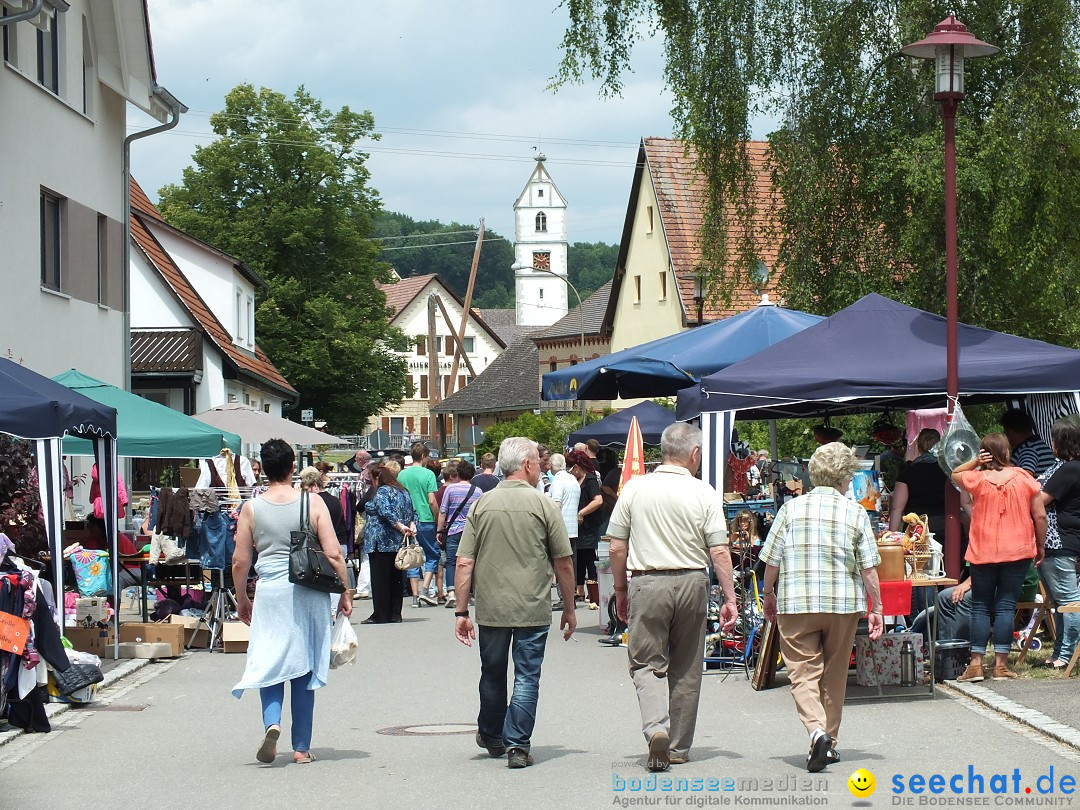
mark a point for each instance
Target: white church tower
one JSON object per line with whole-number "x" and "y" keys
{"x": 540, "y": 241}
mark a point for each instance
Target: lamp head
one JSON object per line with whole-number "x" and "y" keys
{"x": 948, "y": 45}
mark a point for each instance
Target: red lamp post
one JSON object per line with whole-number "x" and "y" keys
{"x": 948, "y": 45}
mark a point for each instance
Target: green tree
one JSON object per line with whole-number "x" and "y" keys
{"x": 285, "y": 188}
{"x": 591, "y": 265}
{"x": 857, "y": 157}
{"x": 427, "y": 252}
{"x": 547, "y": 427}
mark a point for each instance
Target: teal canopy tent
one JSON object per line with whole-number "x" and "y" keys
{"x": 146, "y": 429}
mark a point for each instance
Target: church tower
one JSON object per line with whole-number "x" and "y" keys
{"x": 540, "y": 241}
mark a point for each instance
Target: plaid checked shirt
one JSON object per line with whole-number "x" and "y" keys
{"x": 821, "y": 541}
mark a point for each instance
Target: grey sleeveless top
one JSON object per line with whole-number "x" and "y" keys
{"x": 272, "y": 523}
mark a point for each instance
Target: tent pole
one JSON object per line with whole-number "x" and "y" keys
{"x": 775, "y": 455}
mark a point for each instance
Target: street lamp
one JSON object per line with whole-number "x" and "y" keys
{"x": 516, "y": 266}
{"x": 948, "y": 45}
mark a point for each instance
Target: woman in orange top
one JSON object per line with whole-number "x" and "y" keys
{"x": 1001, "y": 548}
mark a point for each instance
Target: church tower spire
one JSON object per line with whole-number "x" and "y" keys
{"x": 540, "y": 241}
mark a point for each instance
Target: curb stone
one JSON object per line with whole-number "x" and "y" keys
{"x": 117, "y": 673}
{"x": 1022, "y": 714}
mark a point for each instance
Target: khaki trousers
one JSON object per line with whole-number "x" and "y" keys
{"x": 817, "y": 652}
{"x": 666, "y": 644}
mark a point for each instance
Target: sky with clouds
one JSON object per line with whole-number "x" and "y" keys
{"x": 458, "y": 91}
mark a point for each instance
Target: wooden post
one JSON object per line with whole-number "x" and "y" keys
{"x": 459, "y": 348}
{"x": 434, "y": 392}
{"x": 450, "y": 325}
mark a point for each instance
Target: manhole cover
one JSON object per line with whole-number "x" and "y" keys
{"x": 429, "y": 730}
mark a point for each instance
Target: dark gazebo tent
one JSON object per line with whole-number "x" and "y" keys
{"x": 612, "y": 430}
{"x": 872, "y": 355}
{"x": 35, "y": 408}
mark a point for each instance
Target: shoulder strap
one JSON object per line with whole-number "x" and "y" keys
{"x": 460, "y": 506}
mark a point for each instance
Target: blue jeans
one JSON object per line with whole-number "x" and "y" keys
{"x": 425, "y": 535}
{"x": 1058, "y": 574}
{"x": 452, "y": 542}
{"x": 953, "y": 617}
{"x": 303, "y": 709}
{"x": 994, "y": 590}
{"x": 512, "y": 724}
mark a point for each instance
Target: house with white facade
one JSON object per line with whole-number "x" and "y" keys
{"x": 69, "y": 70}
{"x": 422, "y": 305}
{"x": 193, "y": 343}
{"x": 540, "y": 245}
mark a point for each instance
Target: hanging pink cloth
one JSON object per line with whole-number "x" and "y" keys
{"x": 933, "y": 418}
{"x": 95, "y": 494}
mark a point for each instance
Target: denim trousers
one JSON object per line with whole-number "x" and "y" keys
{"x": 425, "y": 536}
{"x": 513, "y": 723}
{"x": 994, "y": 591}
{"x": 452, "y": 542}
{"x": 1058, "y": 574}
{"x": 302, "y": 713}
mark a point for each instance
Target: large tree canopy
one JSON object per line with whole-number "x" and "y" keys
{"x": 285, "y": 189}
{"x": 858, "y": 157}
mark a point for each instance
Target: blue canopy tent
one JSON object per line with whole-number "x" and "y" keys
{"x": 662, "y": 367}
{"x": 833, "y": 367}
{"x": 36, "y": 408}
{"x": 613, "y": 429}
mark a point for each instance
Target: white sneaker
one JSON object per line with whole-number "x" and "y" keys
{"x": 427, "y": 599}
{"x": 451, "y": 602}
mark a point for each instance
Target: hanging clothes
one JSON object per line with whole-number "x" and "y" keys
{"x": 227, "y": 472}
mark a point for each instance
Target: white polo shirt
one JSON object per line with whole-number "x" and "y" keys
{"x": 670, "y": 520}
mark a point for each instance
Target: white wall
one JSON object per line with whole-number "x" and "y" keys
{"x": 540, "y": 299}
{"x": 153, "y": 304}
{"x": 50, "y": 143}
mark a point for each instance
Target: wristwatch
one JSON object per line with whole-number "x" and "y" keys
{"x": 462, "y": 614}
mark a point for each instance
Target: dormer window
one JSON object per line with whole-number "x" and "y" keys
{"x": 541, "y": 222}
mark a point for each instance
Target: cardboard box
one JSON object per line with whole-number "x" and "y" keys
{"x": 154, "y": 632}
{"x": 96, "y": 640}
{"x": 879, "y": 661}
{"x": 196, "y": 635}
{"x": 94, "y": 608}
{"x": 234, "y": 637}
{"x": 143, "y": 649}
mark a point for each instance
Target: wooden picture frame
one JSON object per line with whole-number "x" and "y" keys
{"x": 765, "y": 669}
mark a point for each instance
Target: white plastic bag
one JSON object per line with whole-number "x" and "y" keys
{"x": 343, "y": 643}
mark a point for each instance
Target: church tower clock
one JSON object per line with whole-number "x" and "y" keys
{"x": 540, "y": 243}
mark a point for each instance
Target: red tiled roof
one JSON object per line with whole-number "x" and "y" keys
{"x": 140, "y": 202}
{"x": 680, "y": 193}
{"x": 257, "y": 365}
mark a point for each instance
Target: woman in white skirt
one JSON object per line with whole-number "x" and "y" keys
{"x": 290, "y": 624}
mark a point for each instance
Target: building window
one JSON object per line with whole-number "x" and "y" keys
{"x": 50, "y": 240}
{"x": 637, "y": 289}
{"x": 541, "y": 222}
{"x": 239, "y": 324}
{"x": 421, "y": 345}
{"x": 250, "y": 313}
{"x": 48, "y": 61}
{"x": 470, "y": 345}
{"x": 266, "y": 408}
{"x": 573, "y": 359}
{"x": 423, "y": 386}
{"x": 8, "y": 37}
{"x": 540, "y": 193}
{"x": 541, "y": 293}
{"x": 663, "y": 286}
{"x": 449, "y": 343}
{"x": 102, "y": 259}
{"x": 649, "y": 219}
{"x": 553, "y": 365}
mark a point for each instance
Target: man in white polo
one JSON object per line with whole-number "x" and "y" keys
{"x": 665, "y": 529}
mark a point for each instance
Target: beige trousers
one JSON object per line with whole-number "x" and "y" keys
{"x": 666, "y": 648}
{"x": 817, "y": 652}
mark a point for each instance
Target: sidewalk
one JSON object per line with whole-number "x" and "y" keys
{"x": 1046, "y": 704}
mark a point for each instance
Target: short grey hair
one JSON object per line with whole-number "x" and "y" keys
{"x": 558, "y": 462}
{"x": 310, "y": 477}
{"x": 678, "y": 440}
{"x": 833, "y": 465}
{"x": 513, "y": 452}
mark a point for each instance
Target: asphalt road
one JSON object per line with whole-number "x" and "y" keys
{"x": 171, "y": 735}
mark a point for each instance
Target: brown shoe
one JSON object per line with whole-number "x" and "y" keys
{"x": 1003, "y": 674}
{"x": 678, "y": 759}
{"x": 659, "y": 752}
{"x": 973, "y": 673}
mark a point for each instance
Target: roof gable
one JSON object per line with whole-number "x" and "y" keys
{"x": 540, "y": 175}
{"x": 258, "y": 364}
{"x": 401, "y": 294}
{"x": 670, "y": 166}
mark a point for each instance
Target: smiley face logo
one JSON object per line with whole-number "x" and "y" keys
{"x": 862, "y": 784}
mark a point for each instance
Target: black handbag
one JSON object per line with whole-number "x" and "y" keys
{"x": 308, "y": 565}
{"x": 76, "y": 677}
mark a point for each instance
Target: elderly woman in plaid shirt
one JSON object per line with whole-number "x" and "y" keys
{"x": 821, "y": 549}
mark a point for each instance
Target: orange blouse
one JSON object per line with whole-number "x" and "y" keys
{"x": 1001, "y": 525}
